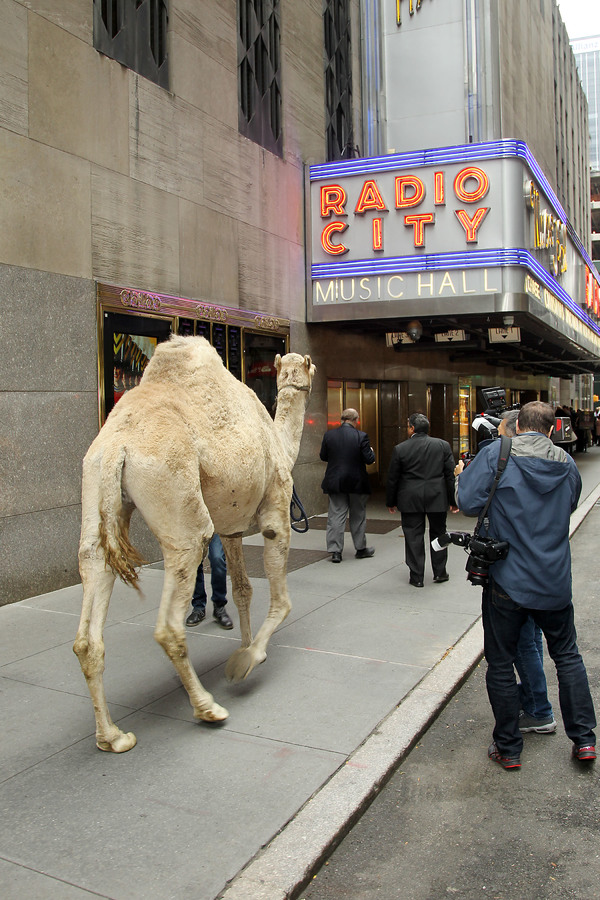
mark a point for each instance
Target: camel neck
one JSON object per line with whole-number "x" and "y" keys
{"x": 289, "y": 418}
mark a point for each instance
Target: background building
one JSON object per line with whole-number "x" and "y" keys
{"x": 154, "y": 160}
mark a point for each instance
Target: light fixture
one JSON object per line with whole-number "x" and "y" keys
{"x": 509, "y": 321}
{"x": 414, "y": 330}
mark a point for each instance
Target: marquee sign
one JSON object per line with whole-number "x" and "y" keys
{"x": 448, "y": 226}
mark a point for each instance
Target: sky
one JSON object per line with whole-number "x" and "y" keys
{"x": 581, "y": 17}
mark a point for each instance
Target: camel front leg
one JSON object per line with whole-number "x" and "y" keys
{"x": 241, "y": 662}
{"x": 89, "y": 646}
{"x": 241, "y": 588}
{"x": 244, "y": 660}
{"x": 170, "y": 634}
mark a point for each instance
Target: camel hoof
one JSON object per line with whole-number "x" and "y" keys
{"x": 240, "y": 664}
{"x": 120, "y": 744}
{"x": 216, "y": 713}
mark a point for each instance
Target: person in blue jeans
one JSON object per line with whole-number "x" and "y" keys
{"x": 536, "y": 710}
{"x": 218, "y": 579}
{"x": 531, "y": 508}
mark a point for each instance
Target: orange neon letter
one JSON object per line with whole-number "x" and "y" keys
{"x": 471, "y": 225}
{"x": 370, "y": 198}
{"x": 439, "y": 194}
{"x": 328, "y": 247}
{"x": 377, "y": 234}
{"x": 474, "y": 196}
{"x": 333, "y": 199}
{"x": 419, "y": 221}
{"x": 409, "y": 181}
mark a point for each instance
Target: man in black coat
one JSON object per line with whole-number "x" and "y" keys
{"x": 421, "y": 483}
{"x": 347, "y": 452}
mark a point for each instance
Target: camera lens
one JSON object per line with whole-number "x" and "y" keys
{"x": 477, "y": 570}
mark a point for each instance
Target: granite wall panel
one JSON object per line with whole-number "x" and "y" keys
{"x": 45, "y": 437}
{"x": 48, "y": 335}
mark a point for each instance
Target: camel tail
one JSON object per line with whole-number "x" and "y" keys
{"x": 119, "y": 553}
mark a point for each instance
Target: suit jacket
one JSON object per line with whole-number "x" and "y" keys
{"x": 347, "y": 453}
{"x": 421, "y": 475}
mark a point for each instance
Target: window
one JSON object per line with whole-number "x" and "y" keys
{"x": 259, "y": 73}
{"x": 134, "y": 33}
{"x": 338, "y": 79}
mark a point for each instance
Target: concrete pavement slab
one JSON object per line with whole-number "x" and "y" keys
{"x": 289, "y": 700}
{"x": 176, "y": 819}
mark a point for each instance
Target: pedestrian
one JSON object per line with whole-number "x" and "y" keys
{"x": 536, "y": 710}
{"x": 530, "y": 509}
{"x": 347, "y": 452}
{"x": 218, "y": 580}
{"x": 420, "y": 484}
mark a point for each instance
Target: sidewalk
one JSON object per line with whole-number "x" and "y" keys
{"x": 353, "y": 676}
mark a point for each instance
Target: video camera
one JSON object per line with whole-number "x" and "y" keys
{"x": 493, "y": 399}
{"x": 483, "y": 551}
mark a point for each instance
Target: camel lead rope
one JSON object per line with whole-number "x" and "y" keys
{"x": 298, "y": 513}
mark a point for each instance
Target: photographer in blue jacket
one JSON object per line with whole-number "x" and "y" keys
{"x": 530, "y": 509}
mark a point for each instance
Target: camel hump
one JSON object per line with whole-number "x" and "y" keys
{"x": 119, "y": 553}
{"x": 182, "y": 359}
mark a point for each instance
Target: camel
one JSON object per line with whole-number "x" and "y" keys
{"x": 196, "y": 452}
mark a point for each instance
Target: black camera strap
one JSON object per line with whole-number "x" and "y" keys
{"x": 505, "y": 445}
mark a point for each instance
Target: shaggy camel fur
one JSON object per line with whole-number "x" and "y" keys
{"x": 195, "y": 451}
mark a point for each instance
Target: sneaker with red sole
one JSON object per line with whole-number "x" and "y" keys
{"x": 584, "y": 754}
{"x": 507, "y": 762}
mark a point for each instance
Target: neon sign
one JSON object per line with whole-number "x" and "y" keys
{"x": 549, "y": 232}
{"x": 412, "y": 5}
{"x": 470, "y": 185}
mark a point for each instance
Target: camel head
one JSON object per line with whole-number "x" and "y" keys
{"x": 294, "y": 371}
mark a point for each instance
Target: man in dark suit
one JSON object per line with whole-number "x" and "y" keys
{"x": 421, "y": 483}
{"x": 347, "y": 452}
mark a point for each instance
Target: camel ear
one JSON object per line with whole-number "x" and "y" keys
{"x": 278, "y": 363}
{"x": 308, "y": 362}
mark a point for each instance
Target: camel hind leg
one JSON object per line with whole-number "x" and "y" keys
{"x": 276, "y": 530}
{"x": 180, "y": 575}
{"x": 97, "y": 581}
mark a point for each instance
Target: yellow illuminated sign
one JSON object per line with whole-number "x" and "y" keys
{"x": 412, "y": 5}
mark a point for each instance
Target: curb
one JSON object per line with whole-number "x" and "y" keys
{"x": 285, "y": 866}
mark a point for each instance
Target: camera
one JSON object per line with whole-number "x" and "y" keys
{"x": 493, "y": 399}
{"x": 483, "y": 551}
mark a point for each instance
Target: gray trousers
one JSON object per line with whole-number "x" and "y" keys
{"x": 340, "y": 507}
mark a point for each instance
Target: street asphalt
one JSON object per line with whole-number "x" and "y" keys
{"x": 251, "y": 810}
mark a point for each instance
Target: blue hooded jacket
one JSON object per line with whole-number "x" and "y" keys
{"x": 536, "y": 494}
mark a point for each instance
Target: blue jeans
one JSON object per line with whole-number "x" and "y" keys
{"x": 502, "y": 623}
{"x": 218, "y": 577}
{"x": 529, "y": 663}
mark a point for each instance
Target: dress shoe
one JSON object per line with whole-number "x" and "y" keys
{"x": 195, "y": 617}
{"x": 222, "y": 618}
{"x": 440, "y": 579}
{"x": 336, "y": 556}
{"x": 415, "y": 582}
{"x": 365, "y": 553}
